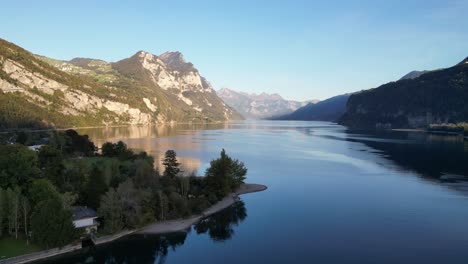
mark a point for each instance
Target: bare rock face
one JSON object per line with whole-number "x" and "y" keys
{"x": 170, "y": 71}
{"x": 150, "y": 106}
{"x": 135, "y": 115}
{"x": 27, "y": 79}
{"x": 180, "y": 81}
{"x": 9, "y": 87}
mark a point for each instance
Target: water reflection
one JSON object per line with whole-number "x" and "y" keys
{"x": 157, "y": 248}
{"x": 335, "y": 196}
{"x": 220, "y": 227}
{"x": 177, "y": 137}
{"x": 427, "y": 154}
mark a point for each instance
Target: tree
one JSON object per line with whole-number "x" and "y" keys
{"x": 162, "y": 205}
{"x": 74, "y": 177}
{"x": 18, "y": 165}
{"x": 42, "y": 190}
{"x": 79, "y": 144}
{"x": 15, "y": 209}
{"x": 51, "y": 163}
{"x": 26, "y": 208}
{"x": 95, "y": 187}
{"x": 51, "y": 225}
{"x": 184, "y": 183}
{"x": 131, "y": 203}
{"x": 224, "y": 175}
{"x": 145, "y": 175}
{"x": 171, "y": 164}
{"x": 2, "y": 210}
{"x": 59, "y": 140}
{"x": 238, "y": 173}
{"x": 108, "y": 149}
{"x": 111, "y": 209}
{"x": 21, "y": 138}
{"x": 68, "y": 200}
{"x": 119, "y": 150}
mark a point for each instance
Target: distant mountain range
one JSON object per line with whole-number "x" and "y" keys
{"x": 259, "y": 106}
{"x": 419, "y": 95}
{"x": 37, "y": 91}
{"x": 438, "y": 96}
{"x": 327, "y": 110}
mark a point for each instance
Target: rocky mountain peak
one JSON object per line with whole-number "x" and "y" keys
{"x": 175, "y": 61}
{"x": 172, "y": 57}
{"x": 146, "y": 57}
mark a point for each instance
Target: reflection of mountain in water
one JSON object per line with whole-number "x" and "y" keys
{"x": 427, "y": 154}
{"x": 156, "y": 248}
{"x": 169, "y": 137}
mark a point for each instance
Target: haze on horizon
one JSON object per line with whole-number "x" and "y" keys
{"x": 301, "y": 50}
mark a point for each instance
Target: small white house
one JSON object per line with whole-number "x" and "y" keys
{"x": 35, "y": 147}
{"x": 85, "y": 218}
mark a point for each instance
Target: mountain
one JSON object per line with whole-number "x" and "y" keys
{"x": 36, "y": 91}
{"x": 463, "y": 62}
{"x": 258, "y": 106}
{"x": 327, "y": 110}
{"x": 435, "y": 97}
{"x": 413, "y": 75}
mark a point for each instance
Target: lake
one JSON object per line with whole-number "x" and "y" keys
{"x": 334, "y": 196}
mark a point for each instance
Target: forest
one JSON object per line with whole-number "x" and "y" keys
{"x": 39, "y": 188}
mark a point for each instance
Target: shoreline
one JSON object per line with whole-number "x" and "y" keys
{"x": 180, "y": 225}
{"x": 437, "y": 132}
{"x": 163, "y": 227}
{"x": 114, "y": 126}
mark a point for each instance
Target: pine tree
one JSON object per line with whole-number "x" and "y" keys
{"x": 171, "y": 164}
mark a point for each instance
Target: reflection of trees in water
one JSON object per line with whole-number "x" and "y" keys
{"x": 131, "y": 249}
{"x": 156, "y": 248}
{"x": 220, "y": 226}
{"x": 427, "y": 154}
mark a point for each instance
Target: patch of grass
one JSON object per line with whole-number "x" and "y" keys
{"x": 11, "y": 247}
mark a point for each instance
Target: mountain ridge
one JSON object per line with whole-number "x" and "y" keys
{"x": 434, "y": 97}
{"x": 329, "y": 109}
{"x": 259, "y": 106}
{"x": 138, "y": 90}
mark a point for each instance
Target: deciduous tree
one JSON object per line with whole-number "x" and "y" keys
{"x": 51, "y": 225}
{"x": 111, "y": 210}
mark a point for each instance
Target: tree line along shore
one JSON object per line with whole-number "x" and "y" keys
{"x": 40, "y": 185}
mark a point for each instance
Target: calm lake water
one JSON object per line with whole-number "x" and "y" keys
{"x": 334, "y": 196}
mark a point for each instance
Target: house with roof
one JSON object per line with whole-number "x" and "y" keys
{"x": 85, "y": 218}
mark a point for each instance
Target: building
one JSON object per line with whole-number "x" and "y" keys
{"x": 85, "y": 218}
{"x": 35, "y": 147}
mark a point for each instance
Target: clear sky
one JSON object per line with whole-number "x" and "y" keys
{"x": 299, "y": 49}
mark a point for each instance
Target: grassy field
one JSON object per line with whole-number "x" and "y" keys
{"x": 10, "y": 247}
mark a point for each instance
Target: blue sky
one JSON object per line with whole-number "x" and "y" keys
{"x": 299, "y": 49}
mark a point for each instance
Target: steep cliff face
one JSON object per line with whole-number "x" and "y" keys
{"x": 434, "y": 97}
{"x": 143, "y": 89}
{"x": 259, "y": 106}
